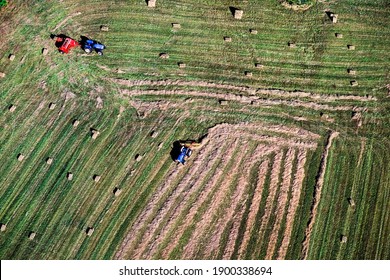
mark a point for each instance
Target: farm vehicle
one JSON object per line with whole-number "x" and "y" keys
{"x": 186, "y": 148}
{"x": 65, "y": 44}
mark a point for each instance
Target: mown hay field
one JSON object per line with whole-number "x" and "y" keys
{"x": 293, "y": 159}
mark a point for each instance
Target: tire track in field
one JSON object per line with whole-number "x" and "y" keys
{"x": 254, "y": 207}
{"x": 294, "y": 202}
{"x": 317, "y": 194}
{"x": 282, "y": 200}
{"x": 170, "y": 207}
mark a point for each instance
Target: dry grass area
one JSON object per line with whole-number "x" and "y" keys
{"x": 199, "y": 213}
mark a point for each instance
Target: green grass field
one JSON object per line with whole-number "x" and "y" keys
{"x": 249, "y": 192}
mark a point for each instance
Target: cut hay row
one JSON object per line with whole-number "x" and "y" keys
{"x": 156, "y": 201}
{"x": 293, "y": 204}
{"x": 250, "y": 100}
{"x": 173, "y": 203}
{"x": 201, "y": 242}
{"x": 173, "y": 231}
{"x": 255, "y": 204}
{"x": 233, "y": 209}
{"x": 281, "y": 202}
{"x": 249, "y": 90}
{"x": 192, "y": 213}
{"x": 277, "y": 169}
{"x": 164, "y": 219}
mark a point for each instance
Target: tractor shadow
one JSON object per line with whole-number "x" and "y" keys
{"x": 176, "y": 149}
{"x": 83, "y": 41}
{"x": 58, "y": 43}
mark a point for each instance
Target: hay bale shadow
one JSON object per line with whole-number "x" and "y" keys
{"x": 233, "y": 10}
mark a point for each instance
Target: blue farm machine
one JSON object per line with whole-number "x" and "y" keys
{"x": 186, "y": 150}
{"x": 92, "y": 45}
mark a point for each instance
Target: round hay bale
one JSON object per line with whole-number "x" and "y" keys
{"x": 69, "y": 176}
{"x": 227, "y": 39}
{"x": 52, "y": 106}
{"x": 49, "y": 160}
{"x": 75, "y": 123}
{"x": 151, "y": 3}
{"x": 31, "y": 235}
{"x": 20, "y": 157}
{"x": 164, "y": 55}
{"x": 117, "y": 191}
{"x": 11, "y": 57}
{"x": 96, "y": 178}
{"x": 89, "y": 231}
{"x": 12, "y": 108}
{"x": 253, "y": 31}
{"x": 3, "y": 227}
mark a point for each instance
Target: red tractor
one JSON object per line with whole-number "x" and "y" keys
{"x": 65, "y": 43}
